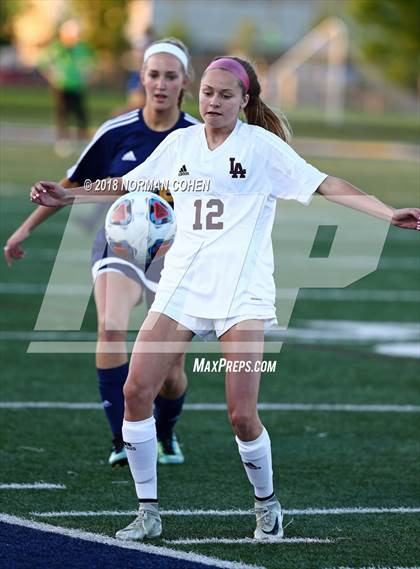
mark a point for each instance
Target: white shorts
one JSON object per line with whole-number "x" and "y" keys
{"x": 209, "y": 328}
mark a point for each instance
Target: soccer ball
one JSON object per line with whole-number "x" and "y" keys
{"x": 138, "y": 224}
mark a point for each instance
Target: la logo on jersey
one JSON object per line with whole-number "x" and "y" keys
{"x": 236, "y": 170}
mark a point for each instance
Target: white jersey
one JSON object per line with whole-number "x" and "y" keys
{"x": 221, "y": 263}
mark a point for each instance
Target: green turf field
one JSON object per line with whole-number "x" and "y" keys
{"x": 323, "y": 459}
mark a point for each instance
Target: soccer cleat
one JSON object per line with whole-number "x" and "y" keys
{"x": 118, "y": 456}
{"x": 147, "y": 524}
{"x": 269, "y": 520}
{"x": 169, "y": 451}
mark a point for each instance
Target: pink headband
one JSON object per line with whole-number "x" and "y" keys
{"x": 234, "y": 67}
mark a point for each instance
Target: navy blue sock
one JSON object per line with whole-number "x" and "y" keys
{"x": 167, "y": 412}
{"x": 111, "y": 383}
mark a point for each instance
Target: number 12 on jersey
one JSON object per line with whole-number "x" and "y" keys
{"x": 217, "y": 208}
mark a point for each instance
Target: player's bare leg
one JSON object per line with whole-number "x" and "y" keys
{"x": 252, "y": 438}
{"x": 242, "y": 387}
{"x": 116, "y": 295}
{"x": 160, "y": 345}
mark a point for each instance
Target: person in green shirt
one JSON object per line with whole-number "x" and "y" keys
{"x": 67, "y": 64}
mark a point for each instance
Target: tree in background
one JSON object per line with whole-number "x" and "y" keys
{"x": 178, "y": 29}
{"x": 243, "y": 39}
{"x": 390, "y": 37}
{"x": 9, "y": 9}
{"x": 103, "y": 24}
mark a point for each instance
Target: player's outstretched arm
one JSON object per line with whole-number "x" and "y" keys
{"x": 13, "y": 248}
{"x": 344, "y": 193}
{"x": 51, "y": 194}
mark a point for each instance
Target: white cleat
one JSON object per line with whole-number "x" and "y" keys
{"x": 269, "y": 520}
{"x": 147, "y": 524}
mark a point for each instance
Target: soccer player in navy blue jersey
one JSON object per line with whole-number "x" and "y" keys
{"x": 118, "y": 146}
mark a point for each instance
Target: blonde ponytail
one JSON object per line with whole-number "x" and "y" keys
{"x": 258, "y": 113}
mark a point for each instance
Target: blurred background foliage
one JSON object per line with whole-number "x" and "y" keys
{"x": 103, "y": 24}
{"x": 9, "y": 9}
{"x": 389, "y": 32}
{"x": 386, "y": 31}
{"x": 379, "y": 71}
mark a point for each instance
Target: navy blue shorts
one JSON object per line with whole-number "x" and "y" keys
{"x": 105, "y": 260}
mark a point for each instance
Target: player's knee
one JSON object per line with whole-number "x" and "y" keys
{"x": 169, "y": 386}
{"x": 136, "y": 393}
{"x": 130, "y": 391}
{"x": 175, "y": 377}
{"x": 107, "y": 332}
{"x": 175, "y": 382}
{"x": 243, "y": 422}
{"x": 177, "y": 368}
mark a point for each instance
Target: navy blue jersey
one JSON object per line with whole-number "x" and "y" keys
{"x": 120, "y": 145}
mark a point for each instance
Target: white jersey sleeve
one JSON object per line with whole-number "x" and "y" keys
{"x": 158, "y": 165}
{"x": 291, "y": 177}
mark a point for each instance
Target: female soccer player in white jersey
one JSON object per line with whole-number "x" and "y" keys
{"x": 218, "y": 274}
{"x": 119, "y": 145}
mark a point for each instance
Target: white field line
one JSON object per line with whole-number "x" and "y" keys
{"x": 144, "y": 548}
{"x": 233, "y": 512}
{"x": 33, "y": 335}
{"x": 50, "y": 405}
{"x": 392, "y": 263}
{"x": 346, "y": 407}
{"x": 33, "y": 486}
{"x": 271, "y": 346}
{"x": 359, "y": 295}
{"x": 302, "y": 331}
{"x": 31, "y": 449}
{"x": 357, "y": 408}
{"x": 398, "y": 349}
{"x": 285, "y": 540}
{"x": 326, "y": 294}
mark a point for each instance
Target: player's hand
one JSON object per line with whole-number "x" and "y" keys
{"x": 13, "y": 250}
{"x": 407, "y": 218}
{"x": 49, "y": 194}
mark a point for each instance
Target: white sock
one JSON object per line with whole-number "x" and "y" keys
{"x": 141, "y": 445}
{"x": 256, "y": 458}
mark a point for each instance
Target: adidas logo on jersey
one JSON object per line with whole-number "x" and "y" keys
{"x": 183, "y": 171}
{"x": 130, "y": 156}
